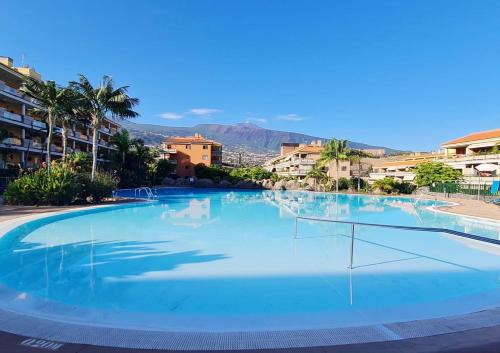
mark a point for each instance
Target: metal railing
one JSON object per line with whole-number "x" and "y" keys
{"x": 147, "y": 190}
{"x": 410, "y": 228}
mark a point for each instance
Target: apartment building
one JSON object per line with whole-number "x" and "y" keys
{"x": 295, "y": 160}
{"x": 186, "y": 152}
{"x": 24, "y": 134}
{"x": 476, "y": 155}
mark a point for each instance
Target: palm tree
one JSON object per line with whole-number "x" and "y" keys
{"x": 317, "y": 174}
{"x": 356, "y": 156}
{"x": 69, "y": 115}
{"x": 49, "y": 97}
{"x": 334, "y": 150}
{"x": 99, "y": 101}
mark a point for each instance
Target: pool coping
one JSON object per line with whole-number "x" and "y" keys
{"x": 88, "y": 334}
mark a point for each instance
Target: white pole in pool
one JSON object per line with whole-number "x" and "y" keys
{"x": 352, "y": 245}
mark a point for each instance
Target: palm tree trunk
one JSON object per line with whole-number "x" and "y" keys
{"x": 337, "y": 176}
{"x": 49, "y": 140}
{"x": 64, "y": 134}
{"x": 95, "y": 127}
{"x": 359, "y": 175}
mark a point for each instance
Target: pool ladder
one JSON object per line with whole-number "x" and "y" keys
{"x": 149, "y": 192}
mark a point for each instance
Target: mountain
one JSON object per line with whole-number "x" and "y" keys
{"x": 249, "y": 136}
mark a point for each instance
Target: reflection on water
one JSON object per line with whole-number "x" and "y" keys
{"x": 210, "y": 252}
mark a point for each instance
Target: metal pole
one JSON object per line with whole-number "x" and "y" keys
{"x": 296, "y": 227}
{"x": 352, "y": 246}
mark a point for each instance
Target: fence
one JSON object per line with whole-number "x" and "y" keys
{"x": 476, "y": 190}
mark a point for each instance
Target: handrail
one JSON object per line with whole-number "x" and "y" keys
{"x": 149, "y": 192}
{"x": 418, "y": 229}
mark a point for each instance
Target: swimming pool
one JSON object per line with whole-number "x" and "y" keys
{"x": 226, "y": 260}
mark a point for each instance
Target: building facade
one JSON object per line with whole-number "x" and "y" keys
{"x": 186, "y": 152}
{"x": 24, "y": 135}
{"x": 476, "y": 155}
{"x": 297, "y": 160}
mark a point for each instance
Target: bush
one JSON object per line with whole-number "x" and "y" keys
{"x": 353, "y": 183}
{"x": 385, "y": 185}
{"x": 63, "y": 186}
{"x": 343, "y": 183}
{"x": 254, "y": 173}
{"x": 210, "y": 172}
{"x": 432, "y": 172}
{"x": 388, "y": 185}
{"x": 405, "y": 187}
{"x": 60, "y": 187}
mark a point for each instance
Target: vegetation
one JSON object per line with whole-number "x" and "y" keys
{"x": 428, "y": 173}
{"x": 217, "y": 173}
{"x": 253, "y": 173}
{"x": 51, "y": 98}
{"x": 334, "y": 150}
{"x": 389, "y": 186}
{"x": 342, "y": 184}
{"x": 136, "y": 164}
{"x": 97, "y": 102}
{"x": 355, "y": 156}
{"x": 63, "y": 185}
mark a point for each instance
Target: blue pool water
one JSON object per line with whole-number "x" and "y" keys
{"x": 227, "y": 260}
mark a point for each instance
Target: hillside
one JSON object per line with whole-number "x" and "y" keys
{"x": 243, "y": 136}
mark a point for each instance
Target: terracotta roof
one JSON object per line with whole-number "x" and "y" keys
{"x": 189, "y": 140}
{"x": 475, "y": 136}
{"x": 307, "y": 149}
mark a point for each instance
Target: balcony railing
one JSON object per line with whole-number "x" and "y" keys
{"x": 308, "y": 161}
{"x": 12, "y": 141}
{"x": 464, "y": 158}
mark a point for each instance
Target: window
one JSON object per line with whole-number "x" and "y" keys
{"x": 204, "y": 157}
{"x": 186, "y": 167}
{"x": 344, "y": 168}
{"x": 169, "y": 146}
{"x": 205, "y": 147}
{"x": 188, "y": 147}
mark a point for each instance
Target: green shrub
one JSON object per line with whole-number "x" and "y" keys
{"x": 386, "y": 185}
{"x": 60, "y": 187}
{"x": 63, "y": 186}
{"x": 254, "y": 173}
{"x": 435, "y": 172}
{"x": 343, "y": 183}
{"x": 353, "y": 183}
{"x": 405, "y": 187}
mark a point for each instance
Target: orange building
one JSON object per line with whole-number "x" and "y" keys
{"x": 186, "y": 152}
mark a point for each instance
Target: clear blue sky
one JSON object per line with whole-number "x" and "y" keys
{"x": 404, "y": 74}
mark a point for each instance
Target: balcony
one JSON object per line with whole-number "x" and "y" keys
{"x": 12, "y": 141}
{"x": 10, "y": 116}
{"x": 56, "y": 148}
{"x": 31, "y": 144}
{"x": 304, "y": 161}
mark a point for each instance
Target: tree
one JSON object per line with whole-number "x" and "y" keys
{"x": 334, "y": 150}
{"x": 356, "y": 156}
{"x": 318, "y": 175}
{"x": 432, "y": 172}
{"x": 50, "y": 97}
{"x": 70, "y": 111}
{"x": 122, "y": 142}
{"x": 97, "y": 102}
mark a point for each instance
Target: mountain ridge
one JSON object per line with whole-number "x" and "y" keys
{"x": 252, "y": 137}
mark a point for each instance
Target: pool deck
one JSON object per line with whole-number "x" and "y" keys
{"x": 485, "y": 339}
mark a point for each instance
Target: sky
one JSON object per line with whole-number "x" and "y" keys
{"x": 402, "y": 74}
